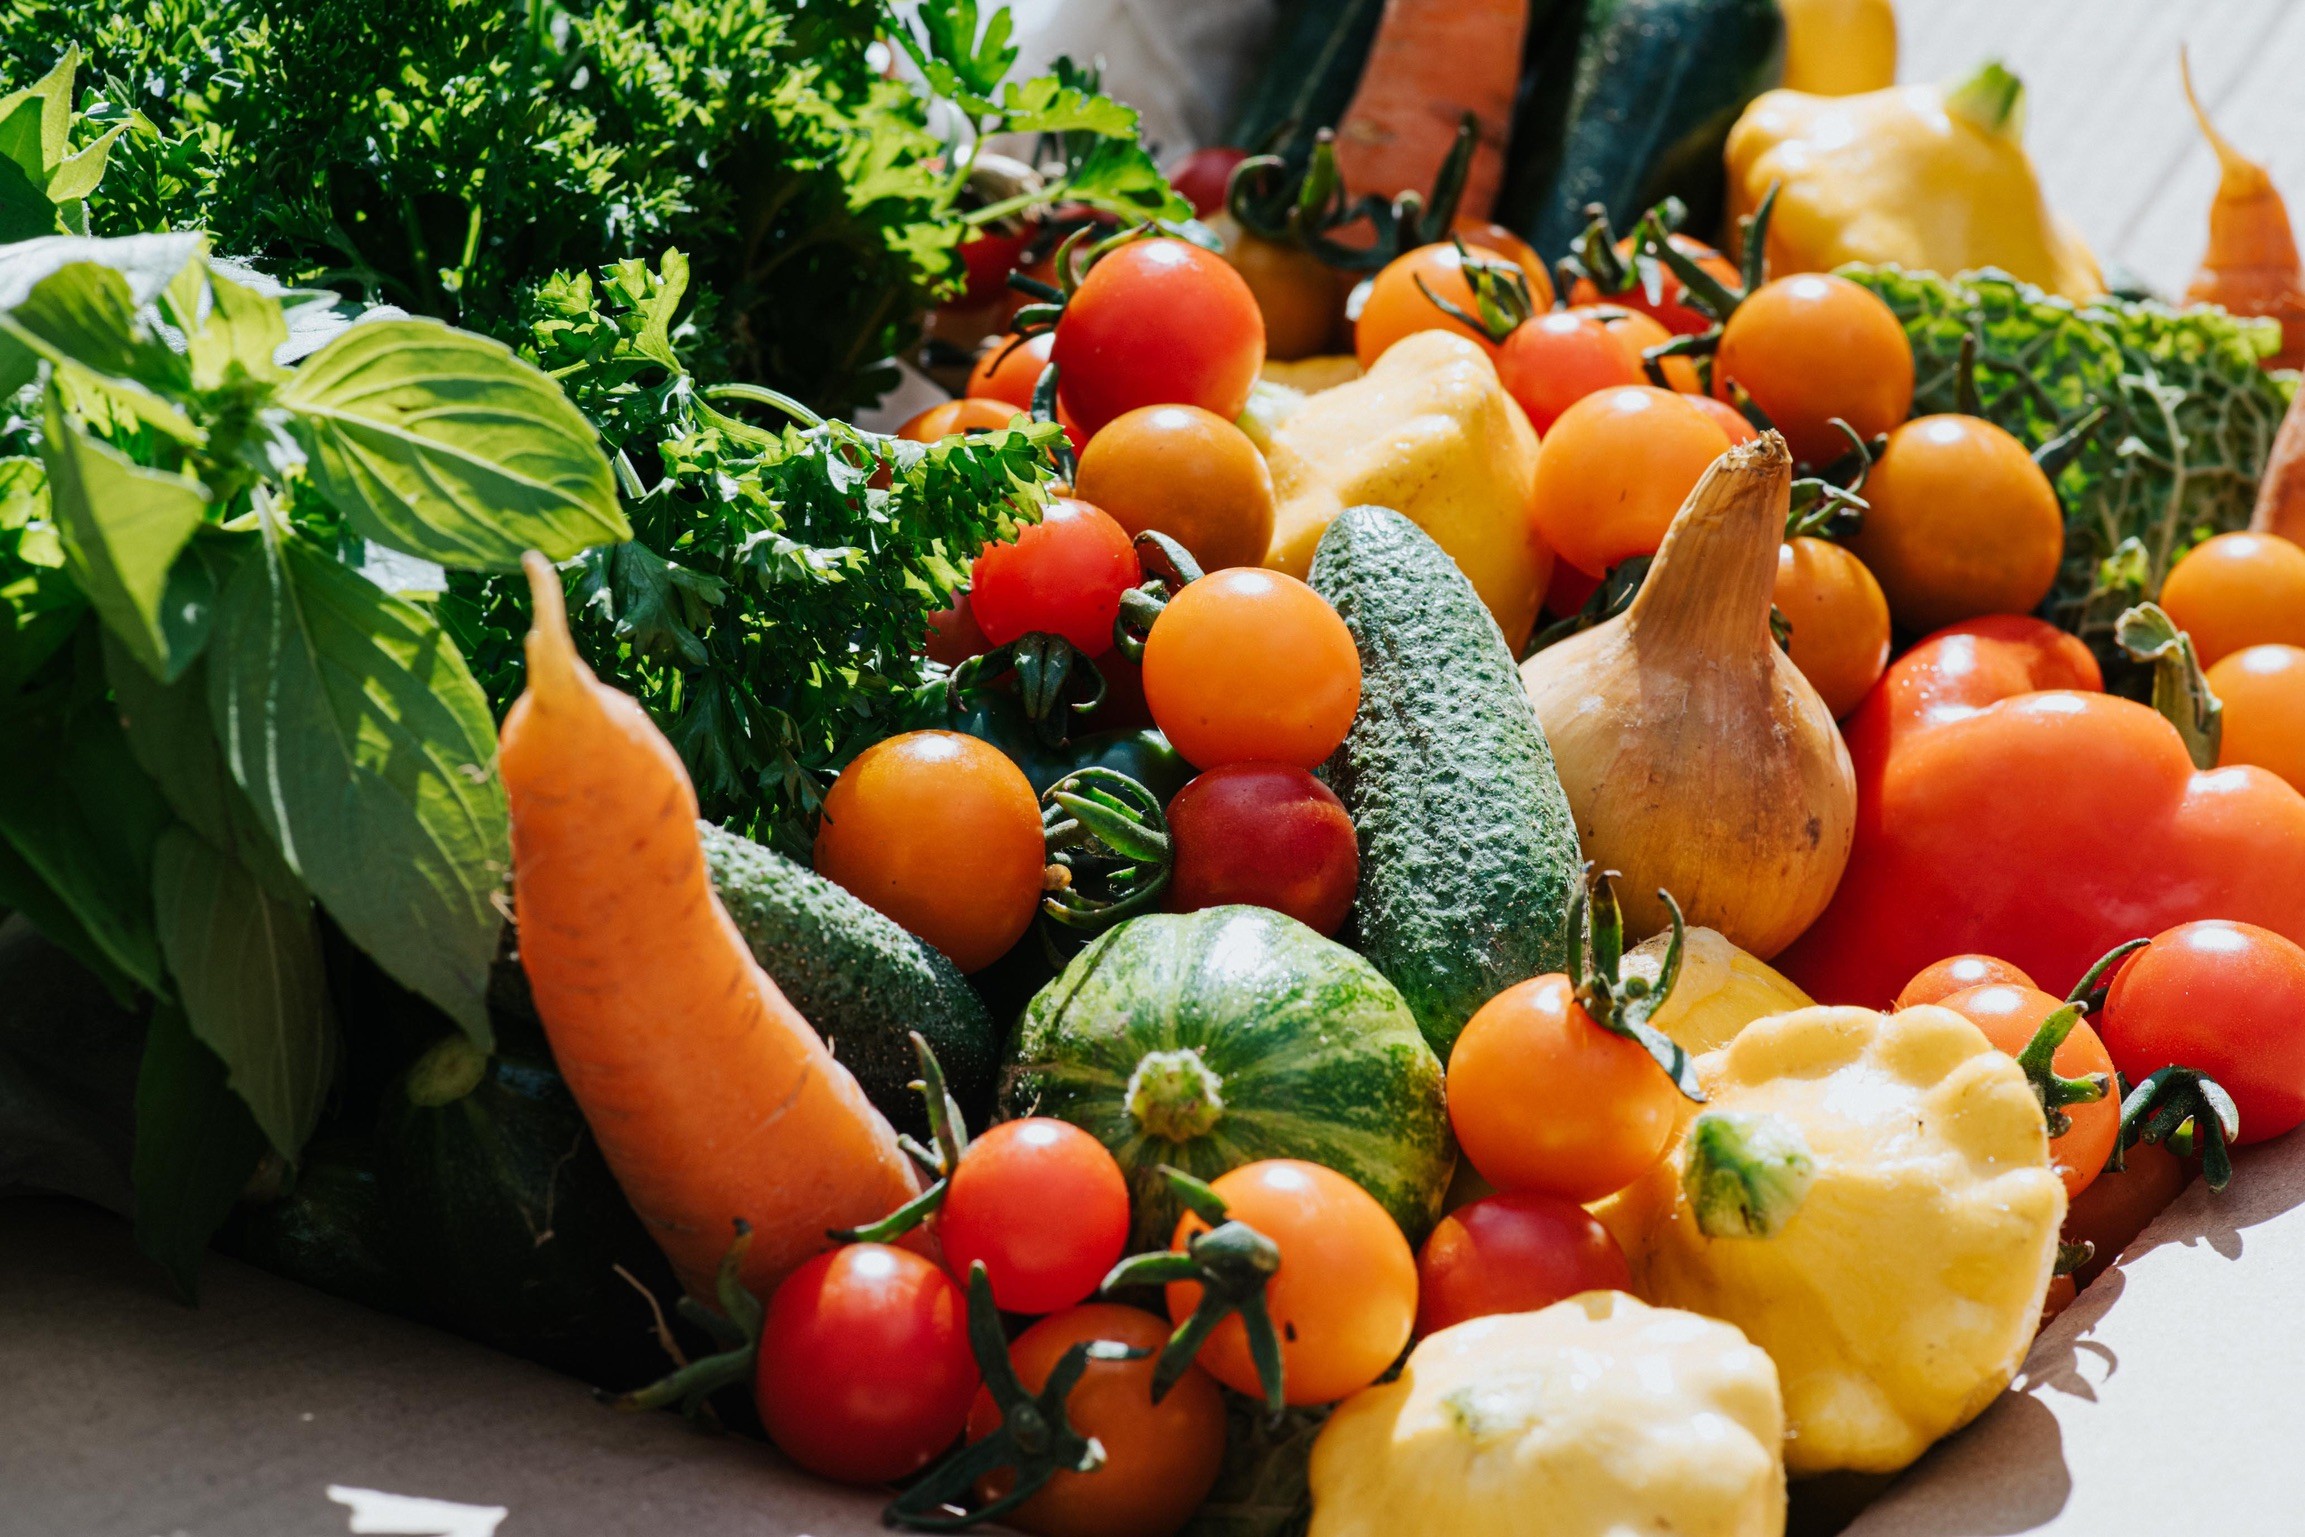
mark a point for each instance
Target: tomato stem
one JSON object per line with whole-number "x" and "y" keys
{"x": 736, "y": 1329}
{"x": 2174, "y": 1098}
{"x": 2054, "y": 1092}
{"x": 2181, "y": 691}
{"x": 950, "y": 1130}
{"x": 1620, "y": 1004}
{"x": 1232, "y": 1262}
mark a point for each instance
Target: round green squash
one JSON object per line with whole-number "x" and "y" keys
{"x": 1213, "y": 1039}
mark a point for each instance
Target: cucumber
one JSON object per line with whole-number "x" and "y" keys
{"x": 1468, "y": 851}
{"x": 1309, "y": 74}
{"x": 1656, "y": 88}
{"x": 860, "y": 978}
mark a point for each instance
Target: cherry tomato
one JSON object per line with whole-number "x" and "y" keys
{"x": 1187, "y": 473}
{"x": 1009, "y": 370}
{"x": 989, "y": 259}
{"x": 1812, "y": 347}
{"x": 2226, "y": 998}
{"x": 1160, "y": 1460}
{"x": 1247, "y": 665}
{"x": 942, "y": 833}
{"x": 1566, "y": 593}
{"x": 1397, "y": 307}
{"x": 1513, "y": 1254}
{"x": 2009, "y": 1014}
{"x": 2264, "y": 692}
{"x": 953, "y": 634}
{"x": 1491, "y": 236}
{"x": 865, "y": 1373}
{"x": 1962, "y": 523}
{"x": 1061, "y": 576}
{"x": 1158, "y": 322}
{"x": 1673, "y": 314}
{"x": 1641, "y": 332}
{"x": 1544, "y": 1099}
{"x": 969, "y": 413}
{"x": 1727, "y": 417}
{"x": 1553, "y": 361}
{"x": 1043, "y": 1205}
{"x": 1614, "y": 470}
{"x": 1268, "y": 834}
{"x": 2062, "y": 1290}
{"x": 1344, "y": 1298}
{"x": 2113, "y": 1211}
{"x": 1957, "y": 974}
{"x": 1840, "y": 621}
{"x": 2236, "y": 591}
{"x": 1301, "y": 297}
{"x": 1203, "y": 177}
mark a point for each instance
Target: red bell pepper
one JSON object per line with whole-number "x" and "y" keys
{"x": 2007, "y": 806}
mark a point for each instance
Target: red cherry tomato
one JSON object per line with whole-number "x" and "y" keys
{"x": 1566, "y": 593}
{"x": 967, "y": 414}
{"x": 1250, "y": 665}
{"x": 1157, "y": 323}
{"x": 865, "y": 1372}
{"x": 989, "y": 259}
{"x": 1009, "y": 370}
{"x": 1957, "y": 974}
{"x": 1061, "y": 576}
{"x": 1268, "y": 834}
{"x": 1513, "y": 1254}
{"x": 953, "y": 635}
{"x": 1670, "y": 312}
{"x": 2226, "y": 998}
{"x": 1203, "y": 177}
{"x": 1043, "y": 1205}
{"x": 1551, "y": 362}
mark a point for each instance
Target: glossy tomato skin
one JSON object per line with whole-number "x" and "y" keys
{"x": 1064, "y": 575}
{"x": 1161, "y": 1459}
{"x": 1961, "y": 523}
{"x": 1675, "y": 315}
{"x": 1267, "y": 834}
{"x": 1203, "y": 177}
{"x": 1345, "y": 1297}
{"x": 1397, "y": 306}
{"x": 1301, "y": 297}
{"x": 2263, "y": 688}
{"x": 1513, "y": 1254}
{"x": 970, "y": 413}
{"x": 953, "y": 633}
{"x": 1641, "y": 332}
{"x": 1542, "y": 1098}
{"x": 1614, "y": 470}
{"x": 2009, "y": 1014}
{"x": 1249, "y": 665}
{"x": 1045, "y": 1208}
{"x": 1733, "y": 422}
{"x": 1552, "y": 361}
{"x": 1812, "y": 347}
{"x": 1940, "y": 980}
{"x": 1840, "y": 620}
{"x": 942, "y": 833}
{"x": 2226, "y": 998}
{"x": 2238, "y": 590}
{"x": 1010, "y": 370}
{"x": 1158, "y": 322}
{"x": 865, "y": 1373}
{"x": 988, "y": 260}
{"x": 1187, "y": 473}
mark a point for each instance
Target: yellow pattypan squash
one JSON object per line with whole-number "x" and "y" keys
{"x": 1839, "y": 47}
{"x": 1596, "y": 1417}
{"x": 1720, "y": 989}
{"x": 1869, "y": 1198}
{"x": 1430, "y": 433}
{"x": 1925, "y": 176}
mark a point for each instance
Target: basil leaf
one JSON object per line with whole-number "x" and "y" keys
{"x": 368, "y": 753}
{"x": 24, "y": 892}
{"x": 122, "y": 527}
{"x": 86, "y": 313}
{"x": 196, "y": 1146}
{"x": 443, "y": 444}
{"x": 247, "y": 968}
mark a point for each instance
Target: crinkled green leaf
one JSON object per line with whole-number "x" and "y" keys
{"x": 1045, "y": 104}
{"x": 1119, "y": 175}
{"x": 196, "y": 1148}
{"x": 954, "y": 56}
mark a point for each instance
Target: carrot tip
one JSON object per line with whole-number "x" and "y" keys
{"x": 2238, "y": 175}
{"x": 555, "y": 671}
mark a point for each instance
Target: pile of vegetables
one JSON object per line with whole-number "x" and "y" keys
{"x": 1186, "y": 942}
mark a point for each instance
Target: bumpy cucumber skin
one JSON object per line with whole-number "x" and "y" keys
{"x": 1318, "y": 1059}
{"x": 860, "y": 978}
{"x": 1468, "y": 850}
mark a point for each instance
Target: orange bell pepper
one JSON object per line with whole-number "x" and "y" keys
{"x": 2006, "y": 805}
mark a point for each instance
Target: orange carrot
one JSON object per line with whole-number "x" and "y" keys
{"x": 2251, "y": 266}
{"x": 709, "y": 1093}
{"x": 1432, "y": 62}
{"x": 2281, "y": 494}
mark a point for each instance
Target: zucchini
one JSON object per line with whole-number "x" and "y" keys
{"x": 1656, "y": 87}
{"x": 1468, "y": 851}
{"x": 327, "y": 1231}
{"x": 1309, "y": 74}
{"x": 860, "y": 978}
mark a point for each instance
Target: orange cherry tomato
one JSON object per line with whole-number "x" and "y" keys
{"x": 2117, "y": 1207}
{"x": 2009, "y": 1014}
{"x": 1397, "y": 307}
{"x": 1672, "y": 313}
{"x": 1553, "y": 361}
{"x": 1008, "y": 369}
{"x": 1513, "y": 1254}
{"x": 1640, "y": 332}
{"x": 942, "y": 833}
{"x": 2238, "y": 590}
{"x": 1727, "y": 417}
{"x": 1962, "y": 523}
{"x": 969, "y": 413}
{"x": 1160, "y": 1460}
{"x": 1345, "y": 1297}
{"x": 1248, "y": 664}
{"x": 2264, "y": 692}
{"x": 1614, "y": 470}
{"x": 1957, "y": 974}
{"x": 1812, "y": 347}
{"x": 1840, "y": 621}
{"x": 1492, "y": 236}
{"x": 1187, "y": 473}
{"x": 1301, "y": 297}
{"x": 1544, "y": 1099}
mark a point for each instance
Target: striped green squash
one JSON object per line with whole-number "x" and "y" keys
{"x": 1212, "y": 1039}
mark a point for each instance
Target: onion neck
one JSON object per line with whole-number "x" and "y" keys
{"x": 1710, "y": 587}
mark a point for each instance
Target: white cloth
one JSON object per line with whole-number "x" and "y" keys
{"x": 1183, "y": 64}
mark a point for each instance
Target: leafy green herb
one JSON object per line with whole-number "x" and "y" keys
{"x": 44, "y": 182}
{"x": 196, "y": 1148}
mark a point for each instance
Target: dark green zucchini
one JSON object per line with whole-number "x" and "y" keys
{"x": 1309, "y": 74}
{"x": 327, "y": 1230}
{"x": 1656, "y": 88}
